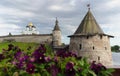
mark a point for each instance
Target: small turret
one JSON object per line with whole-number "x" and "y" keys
{"x": 56, "y": 34}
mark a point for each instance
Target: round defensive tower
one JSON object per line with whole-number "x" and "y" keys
{"x": 56, "y": 35}
{"x": 90, "y": 41}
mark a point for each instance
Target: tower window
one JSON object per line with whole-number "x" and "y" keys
{"x": 80, "y": 46}
{"x": 105, "y": 48}
{"x": 93, "y": 47}
{"x": 99, "y": 59}
{"x": 100, "y": 36}
{"x": 87, "y": 37}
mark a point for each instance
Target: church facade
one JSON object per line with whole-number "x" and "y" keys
{"x": 30, "y": 29}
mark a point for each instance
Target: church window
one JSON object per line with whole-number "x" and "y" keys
{"x": 80, "y": 46}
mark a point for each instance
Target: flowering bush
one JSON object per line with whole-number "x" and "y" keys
{"x": 43, "y": 62}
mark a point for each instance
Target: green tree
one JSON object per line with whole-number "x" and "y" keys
{"x": 115, "y": 48}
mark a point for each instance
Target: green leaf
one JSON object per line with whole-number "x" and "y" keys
{"x": 36, "y": 74}
{"x": 107, "y": 72}
{"x": 60, "y": 74}
{"x": 76, "y": 68}
{"x": 92, "y": 73}
{"x": 23, "y": 73}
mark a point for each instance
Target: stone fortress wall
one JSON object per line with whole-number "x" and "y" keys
{"x": 39, "y": 38}
{"x": 30, "y": 34}
{"x": 89, "y": 40}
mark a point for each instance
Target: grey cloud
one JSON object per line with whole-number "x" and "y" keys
{"x": 69, "y": 13}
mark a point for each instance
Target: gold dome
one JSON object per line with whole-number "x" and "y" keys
{"x": 30, "y": 24}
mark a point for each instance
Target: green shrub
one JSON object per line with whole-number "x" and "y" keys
{"x": 43, "y": 62}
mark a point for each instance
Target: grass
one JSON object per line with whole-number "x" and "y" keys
{"x": 22, "y": 45}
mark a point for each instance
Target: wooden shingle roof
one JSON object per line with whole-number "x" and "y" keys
{"x": 89, "y": 26}
{"x": 56, "y": 26}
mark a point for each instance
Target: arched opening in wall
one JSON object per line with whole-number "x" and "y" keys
{"x": 93, "y": 47}
{"x": 80, "y": 46}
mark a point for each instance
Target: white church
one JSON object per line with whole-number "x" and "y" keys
{"x": 30, "y": 29}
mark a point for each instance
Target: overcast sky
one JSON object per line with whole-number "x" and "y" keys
{"x": 16, "y": 14}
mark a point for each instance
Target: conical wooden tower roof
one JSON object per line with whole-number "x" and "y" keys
{"x": 88, "y": 26}
{"x": 56, "y": 26}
